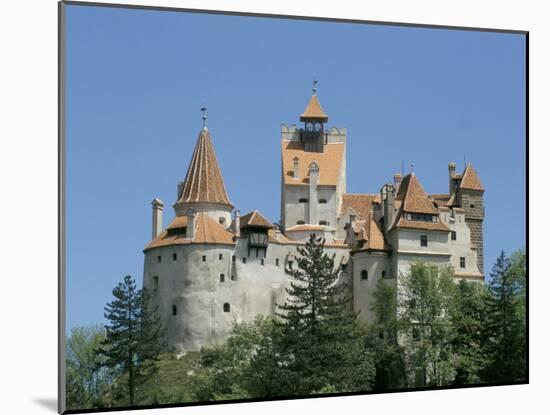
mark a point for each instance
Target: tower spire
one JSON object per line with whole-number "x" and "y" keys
{"x": 203, "y": 110}
{"x": 314, "y": 89}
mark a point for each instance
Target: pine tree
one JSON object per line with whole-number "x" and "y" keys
{"x": 323, "y": 344}
{"x": 505, "y": 324}
{"x": 134, "y": 336}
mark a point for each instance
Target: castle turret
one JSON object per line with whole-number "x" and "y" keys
{"x": 314, "y": 119}
{"x": 203, "y": 188}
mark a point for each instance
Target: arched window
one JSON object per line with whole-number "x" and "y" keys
{"x": 174, "y": 310}
{"x": 226, "y": 308}
{"x": 303, "y": 200}
{"x": 322, "y": 200}
{"x": 364, "y": 274}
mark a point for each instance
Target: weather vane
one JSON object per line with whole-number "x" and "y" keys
{"x": 314, "y": 86}
{"x": 412, "y": 167}
{"x": 203, "y": 110}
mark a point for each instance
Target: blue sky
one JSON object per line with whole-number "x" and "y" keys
{"x": 136, "y": 80}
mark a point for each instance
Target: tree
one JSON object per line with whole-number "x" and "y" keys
{"x": 323, "y": 346}
{"x": 134, "y": 336}
{"x": 247, "y": 365}
{"x": 85, "y": 380}
{"x": 424, "y": 302}
{"x": 505, "y": 327}
{"x": 384, "y": 338}
{"x": 468, "y": 314}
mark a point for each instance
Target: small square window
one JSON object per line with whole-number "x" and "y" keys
{"x": 453, "y": 236}
{"x": 220, "y": 257}
{"x": 174, "y": 310}
{"x": 364, "y": 275}
{"x": 277, "y": 262}
{"x": 222, "y": 277}
{"x": 472, "y": 206}
{"x": 233, "y": 258}
{"x": 226, "y": 308}
{"x": 244, "y": 260}
{"x": 423, "y": 240}
{"x": 462, "y": 262}
{"x": 175, "y": 257}
{"x": 159, "y": 258}
{"x": 204, "y": 258}
{"x": 262, "y": 261}
{"x": 383, "y": 274}
{"x": 233, "y": 277}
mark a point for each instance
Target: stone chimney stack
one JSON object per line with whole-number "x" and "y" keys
{"x": 452, "y": 173}
{"x": 313, "y": 197}
{"x": 191, "y": 223}
{"x": 237, "y": 223}
{"x": 158, "y": 207}
{"x": 296, "y": 168}
{"x": 397, "y": 178}
{"x": 389, "y": 208}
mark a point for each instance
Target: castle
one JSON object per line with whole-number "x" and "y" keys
{"x": 211, "y": 267}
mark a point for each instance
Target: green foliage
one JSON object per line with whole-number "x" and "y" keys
{"x": 86, "y": 382}
{"x": 424, "y": 319}
{"x": 133, "y": 342}
{"x": 505, "y": 326}
{"x": 322, "y": 344}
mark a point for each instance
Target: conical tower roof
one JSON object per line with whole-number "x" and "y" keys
{"x": 413, "y": 197}
{"x": 470, "y": 179}
{"x": 314, "y": 110}
{"x": 204, "y": 182}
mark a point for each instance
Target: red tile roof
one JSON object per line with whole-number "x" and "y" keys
{"x": 470, "y": 179}
{"x": 314, "y": 110}
{"x": 255, "y": 218}
{"x": 413, "y": 197}
{"x": 204, "y": 181}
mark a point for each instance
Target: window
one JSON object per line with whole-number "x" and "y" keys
{"x": 222, "y": 277}
{"x": 244, "y": 260}
{"x": 226, "y": 308}
{"x": 323, "y": 223}
{"x": 221, "y": 220}
{"x": 204, "y": 258}
{"x": 472, "y": 206}
{"x": 415, "y": 333}
{"x": 175, "y": 257}
{"x": 322, "y": 201}
{"x": 364, "y": 274}
{"x": 233, "y": 277}
{"x": 423, "y": 240}
{"x": 303, "y": 200}
{"x": 174, "y": 310}
{"x": 155, "y": 282}
{"x": 344, "y": 266}
{"x": 462, "y": 262}
{"x": 233, "y": 258}
{"x": 300, "y": 222}
{"x": 159, "y": 258}
{"x": 290, "y": 264}
{"x": 262, "y": 261}
{"x": 277, "y": 262}
{"x": 421, "y": 217}
{"x": 383, "y": 274}
{"x": 220, "y": 257}
{"x": 453, "y": 236}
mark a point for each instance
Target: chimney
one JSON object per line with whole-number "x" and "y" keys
{"x": 191, "y": 219}
{"x": 158, "y": 207}
{"x": 313, "y": 197}
{"x": 397, "y": 178}
{"x": 296, "y": 168}
{"x": 452, "y": 173}
{"x": 237, "y": 223}
{"x": 389, "y": 209}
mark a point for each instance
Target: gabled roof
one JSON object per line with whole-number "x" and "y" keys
{"x": 207, "y": 231}
{"x": 329, "y": 162}
{"x": 204, "y": 181}
{"x": 413, "y": 197}
{"x": 255, "y": 218}
{"x": 470, "y": 179}
{"x": 314, "y": 111}
{"x": 360, "y": 203}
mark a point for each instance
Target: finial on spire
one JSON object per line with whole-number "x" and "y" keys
{"x": 314, "y": 89}
{"x": 203, "y": 110}
{"x": 411, "y": 165}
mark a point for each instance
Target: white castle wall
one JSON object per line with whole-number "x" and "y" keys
{"x": 374, "y": 263}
